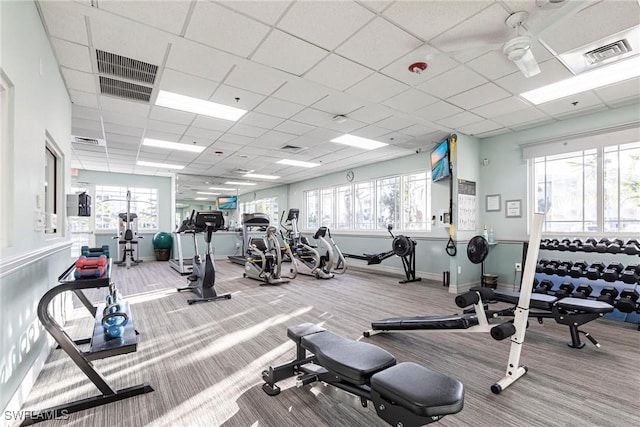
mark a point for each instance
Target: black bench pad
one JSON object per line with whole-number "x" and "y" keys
{"x": 354, "y": 361}
{"x": 426, "y": 322}
{"x": 420, "y": 390}
{"x": 297, "y": 332}
{"x": 538, "y": 301}
{"x": 589, "y": 306}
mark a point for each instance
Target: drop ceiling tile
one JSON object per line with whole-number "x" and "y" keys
{"x": 86, "y": 124}
{"x": 395, "y": 123}
{"x": 65, "y": 21}
{"x": 501, "y": 107}
{"x": 376, "y": 88}
{"x": 226, "y": 95}
{"x": 199, "y": 60}
{"x": 162, "y": 126}
{"x": 371, "y": 132}
{"x": 322, "y": 134}
{"x": 337, "y": 72}
{"x": 293, "y": 127}
{"x": 232, "y": 138}
{"x": 79, "y": 80}
{"x": 226, "y": 147}
{"x": 117, "y": 140}
{"x": 478, "y": 96}
{"x": 209, "y": 123}
{"x": 418, "y": 130}
{"x": 551, "y": 71}
{"x": 458, "y": 120}
{"x": 493, "y": 65}
{"x": 198, "y": 133}
{"x": 438, "y": 111}
{"x": 170, "y": 17}
{"x": 565, "y": 105}
{"x": 410, "y": 101}
{"x": 287, "y": 53}
{"x": 325, "y": 24}
{"x": 113, "y": 117}
{"x": 200, "y": 142}
{"x": 346, "y": 127}
{"x": 274, "y": 137}
{"x": 338, "y": 103}
{"x": 244, "y": 76}
{"x": 260, "y": 120}
{"x": 452, "y": 82}
{"x": 619, "y": 91}
{"x": 246, "y": 130}
{"x": 395, "y": 138}
{"x": 85, "y": 113}
{"x": 399, "y": 70}
{"x": 378, "y": 44}
{"x": 161, "y": 135}
{"x": 265, "y": 11}
{"x": 529, "y": 115}
{"x": 171, "y": 116}
{"x": 371, "y": 113}
{"x": 72, "y": 55}
{"x": 312, "y": 116}
{"x": 440, "y": 16}
{"x": 241, "y": 34}
{"x": 301, "y": 92}
{"x": 479, "y": 127}
{"x": 186, "y": 84}
{"x": 278, "y": 108}
{"x": 123, "y": 106}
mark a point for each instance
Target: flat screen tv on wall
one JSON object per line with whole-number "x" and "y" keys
{"x": 230, "y": 202}
{"x": 440, "y": 161}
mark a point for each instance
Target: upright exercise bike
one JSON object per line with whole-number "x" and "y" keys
{"x": 202, "y": 280}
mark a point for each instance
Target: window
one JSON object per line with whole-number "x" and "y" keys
{"x": 589, "y": 191}
{"x": 268, "y": 206}
{"x": 110, "y": 201}
{"x": 53, "y": 186}
{"x": 6, "y": 159}
{"x": 402, "y": 201}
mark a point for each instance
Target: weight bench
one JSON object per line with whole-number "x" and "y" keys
{"x": 404, "y": 394}
{"x": 569, "y": 311}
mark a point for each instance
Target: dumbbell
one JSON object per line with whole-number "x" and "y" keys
{"x": 563, "y": 268}
{"x": 612, "y": 272}
{"x": 608, "y": 294}
{"x": 594, "y": 271}
{"x": 540, "y": 265}
{"x": 550, "y": 267}
{"x": 632, "y": 247}
{"x": 576, "y": 245}
{"x": 544, "y": 287}
{"x": 543, "y": 243}
{"x": 564, "y": 290}
{"x": 589, "y": 245}
{"x": 563, "y": 245}
{"x": 615, "y": 247}
{"x": 553, "y": 244}
{"x": 630, "y": 274}
{"x": 578, "y": 269}
{"x": 602, "y": 245}
{"x": 583, "y": 291}
{"x": 627, "y": 301}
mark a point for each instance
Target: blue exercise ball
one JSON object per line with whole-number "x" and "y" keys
{"x": 162, "y": 240}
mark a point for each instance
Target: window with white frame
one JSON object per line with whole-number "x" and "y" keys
{"x": 402, "y": 201}
{"x": 268, "y": 206}
{"x": 53, "y": 186}
{"x": 112, "y": 200}
{"x": 589, "y": 191}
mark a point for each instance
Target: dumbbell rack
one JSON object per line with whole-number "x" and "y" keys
{"x": 99, "y": 347}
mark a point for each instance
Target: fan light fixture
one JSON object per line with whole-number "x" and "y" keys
{"x": 518, "y": 50}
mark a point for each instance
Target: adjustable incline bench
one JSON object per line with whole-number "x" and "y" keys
{"x": 572, "y": 312}
{"x": 404, "y": 394}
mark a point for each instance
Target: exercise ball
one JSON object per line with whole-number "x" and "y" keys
{"x": 162, "y": 240}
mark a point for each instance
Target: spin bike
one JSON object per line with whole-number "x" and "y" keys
{"x": 202, "y": 281}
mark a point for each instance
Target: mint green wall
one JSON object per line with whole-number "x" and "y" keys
{"x": 165, "y": 211}
{"x": 41, "y": 105}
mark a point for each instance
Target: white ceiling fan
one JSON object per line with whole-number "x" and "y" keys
{"x": 518, "y": 49}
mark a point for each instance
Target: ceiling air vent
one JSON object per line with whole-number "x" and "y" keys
{"x": 605, "y": 52}
{"x": 124, "y": 89}
{"x": 88, "y": 141}
{"x": 292, "y": 148}
{"x": 128, "y": 68}
{"x": 242, "y": 171}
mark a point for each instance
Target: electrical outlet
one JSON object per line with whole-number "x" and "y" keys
{"x": 518, "y": 266}
{"x": 459, "y": 269}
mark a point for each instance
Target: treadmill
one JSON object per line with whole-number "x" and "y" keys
{"x": 179, "y": 263}
{"x": 252, "y": 223}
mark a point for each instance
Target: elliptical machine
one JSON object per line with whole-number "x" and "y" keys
{"x": 264, "y": 259}
{"x": 305, "y": 259}
{"x": 202, "y": 281}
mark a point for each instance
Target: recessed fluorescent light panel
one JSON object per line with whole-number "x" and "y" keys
{"x": 222, "y": 188}
{"x": 603, "y": 76}
{"x": 297, "y": 163}
{"x": 259, "y": 176}
{"x": 201, "y": 198}
{"x": 159, "y": 165}
{"x": 204, "y": 192}
{"x": 198, "y": 106}
{"x": 356, "y": 141}
{"x": 172, "y": 145}
{"x": 239, "y": 183}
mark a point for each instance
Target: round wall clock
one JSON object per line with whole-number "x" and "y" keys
{"x": 350, "y": 176}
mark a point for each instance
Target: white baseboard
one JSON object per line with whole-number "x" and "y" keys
{"x": 385, "y": 270}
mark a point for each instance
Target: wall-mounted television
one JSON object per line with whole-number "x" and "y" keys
{"x": 440, "y": 161}
{"x": 230, "y": 202}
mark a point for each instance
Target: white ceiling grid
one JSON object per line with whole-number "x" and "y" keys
{"x": 294, "y": 65}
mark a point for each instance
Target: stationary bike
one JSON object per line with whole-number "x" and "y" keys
{"x": 202, "y": 280}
